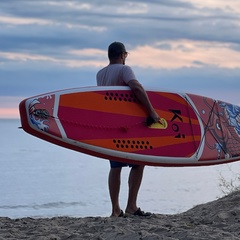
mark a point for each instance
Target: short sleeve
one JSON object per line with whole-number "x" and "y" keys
{"x": 128, "y": 74}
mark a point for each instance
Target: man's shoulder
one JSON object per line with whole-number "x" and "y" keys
{"x": 127, "y": 69}
{"x": 103, "y": 69}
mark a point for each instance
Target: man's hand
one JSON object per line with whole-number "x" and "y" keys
{"x": 153, "y": 118}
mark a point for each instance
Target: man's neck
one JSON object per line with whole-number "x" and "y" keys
{"x": 115, "y": 61}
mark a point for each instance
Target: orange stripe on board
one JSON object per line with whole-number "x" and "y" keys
{"x": 168, "y": 141}
{"x": 129, "y": 145}
{"x": 173, "y": 96}
{"x": 96, "y": 102}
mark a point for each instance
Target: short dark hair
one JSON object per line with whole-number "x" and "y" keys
{"x": 115, "y": 49}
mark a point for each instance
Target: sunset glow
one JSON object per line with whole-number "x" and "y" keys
{"x": 9, "y": 113}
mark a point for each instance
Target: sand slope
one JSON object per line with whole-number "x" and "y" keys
{"x": 218, "y": 220}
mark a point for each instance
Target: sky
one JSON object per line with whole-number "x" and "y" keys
{"x": 186, "y": 46}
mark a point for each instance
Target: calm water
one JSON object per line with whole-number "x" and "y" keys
{"x": 39, "y": 179}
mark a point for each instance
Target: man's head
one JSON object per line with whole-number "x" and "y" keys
{"x": 117, "y": 50}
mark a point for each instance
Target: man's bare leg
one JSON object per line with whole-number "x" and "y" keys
{"x": 134, "y": 182}
{"x": 114, "y": 182}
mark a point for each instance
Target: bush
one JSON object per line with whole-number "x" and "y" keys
{"x": 231, "y": 185}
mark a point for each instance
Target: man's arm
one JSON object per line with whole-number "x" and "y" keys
{"x": 142, "y": 96}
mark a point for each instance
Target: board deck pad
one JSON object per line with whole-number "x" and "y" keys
{"x": 161, "y": 124}
{"x": 110, "y": 123}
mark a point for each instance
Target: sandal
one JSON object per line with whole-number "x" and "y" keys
{"x": 140, "y": 213}
{"x": 121, "y": 214}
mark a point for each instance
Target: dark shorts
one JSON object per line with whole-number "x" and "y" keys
{"x": 114, "y": 164}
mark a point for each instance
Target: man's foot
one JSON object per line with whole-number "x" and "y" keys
{"x": 121, "y": 214}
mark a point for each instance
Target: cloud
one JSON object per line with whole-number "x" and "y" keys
{"x": 185, "y": 53}
{"x": 232, "y": 6}
{"x": 185, "y": 45}
{"x": 168, "y": 55}
{"x": 23, "y": 21}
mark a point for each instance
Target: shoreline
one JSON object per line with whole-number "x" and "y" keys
{"x": 219, "y": 219}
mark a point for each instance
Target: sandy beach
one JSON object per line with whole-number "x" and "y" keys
{"x": 219, "y": 220}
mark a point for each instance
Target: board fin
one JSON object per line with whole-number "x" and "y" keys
{"x": 162, "y": 124}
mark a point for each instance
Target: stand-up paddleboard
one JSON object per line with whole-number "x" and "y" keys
{"x": 110, "y": 123}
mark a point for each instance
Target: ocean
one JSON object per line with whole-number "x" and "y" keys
{"x": 39, "y": 179}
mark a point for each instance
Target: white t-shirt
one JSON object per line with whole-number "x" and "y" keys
{"x": 115, "y": 75}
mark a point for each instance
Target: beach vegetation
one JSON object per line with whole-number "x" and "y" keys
{"x": 231, "y": 184}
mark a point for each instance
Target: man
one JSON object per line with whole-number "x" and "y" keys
{"x": 118, "y": 74}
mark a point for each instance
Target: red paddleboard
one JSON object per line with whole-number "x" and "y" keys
{"x": 110, "y": 123}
